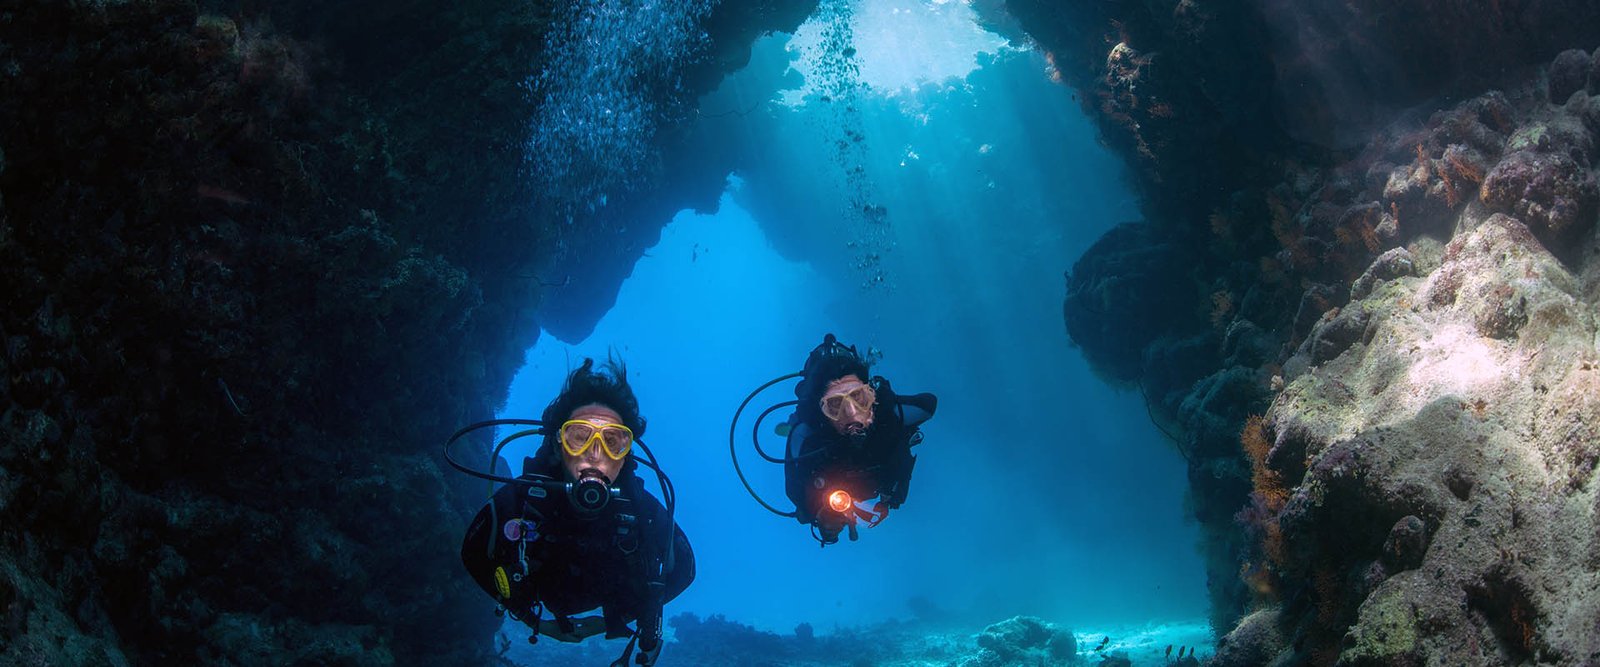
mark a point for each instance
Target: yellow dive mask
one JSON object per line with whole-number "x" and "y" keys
{"x": 862, "y": 397}
{"x": 577, "y": 435}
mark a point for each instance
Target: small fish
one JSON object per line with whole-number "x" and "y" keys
{"x": 1103, "y": 643}
{"x": 1169, "y": 651}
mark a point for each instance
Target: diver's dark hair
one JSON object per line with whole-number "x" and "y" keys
{"x": 583, "y": 387}
{"x": 828, "y": 362}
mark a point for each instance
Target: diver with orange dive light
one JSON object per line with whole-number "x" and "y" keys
{"x": 848, "y": 458}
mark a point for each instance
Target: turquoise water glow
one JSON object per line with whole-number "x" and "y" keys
{"x": 1039, "y": 490}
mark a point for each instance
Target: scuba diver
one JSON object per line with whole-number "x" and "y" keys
{"x": 577, "y": 530}
{"x": 848, "y": 456}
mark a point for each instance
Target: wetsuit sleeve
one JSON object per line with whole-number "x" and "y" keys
{"x": 917, "y": 408}
{"x": 907, "y": 415}
{"x": 911, "y": 410}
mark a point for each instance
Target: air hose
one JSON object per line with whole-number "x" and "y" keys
{"x": 733, "y": 452}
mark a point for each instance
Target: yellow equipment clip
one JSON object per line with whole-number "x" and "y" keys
{"x": 502, "y": 583}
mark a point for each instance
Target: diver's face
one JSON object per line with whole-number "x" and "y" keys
{"x": 592, "y": 462}
{"x": 847, "y": 403}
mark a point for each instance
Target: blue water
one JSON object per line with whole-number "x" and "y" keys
{"x": 1038, "y": 490}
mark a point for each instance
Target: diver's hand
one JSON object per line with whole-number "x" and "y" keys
{"x": 647, "y": 654}
{"x": 582, "y": 628}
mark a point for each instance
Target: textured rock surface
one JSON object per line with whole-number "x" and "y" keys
{"x": 1411, "y": 316}
{"x": 1443, "y": 466}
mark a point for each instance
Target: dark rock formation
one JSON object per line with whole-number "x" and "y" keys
{"x": 256, "y": 262}
{"x": 1553, "y": 194}
{"x": 1120, "y": 295}
{"x": 1569, "y": 73}
{"x": 1169, "y": 88}
{"x": 1388, "y": 216}
{"x": 619, "y": 224}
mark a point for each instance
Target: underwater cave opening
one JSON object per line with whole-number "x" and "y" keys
{"x": 1039, "y": 490}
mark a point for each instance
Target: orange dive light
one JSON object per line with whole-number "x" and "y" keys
{"x": 839, "y": 501}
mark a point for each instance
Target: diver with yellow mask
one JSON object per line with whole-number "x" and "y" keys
{"x": 577, "y": 531}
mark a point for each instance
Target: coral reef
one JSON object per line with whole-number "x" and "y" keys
{"x": 258, "y": 259}
{"x": 1390, "y": 289}
{"x": 1023, "y": 640}
{"x": 1442, "y": 465}
{"x": 257, "y": 262}
{"x": 714, "y": 640}
{"x": 1553, "y": 194}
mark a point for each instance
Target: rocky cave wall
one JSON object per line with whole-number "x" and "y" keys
{"x": 1363, "y": 302}
{"x": 256, "y": 262}
{"x": 591, "y": 263}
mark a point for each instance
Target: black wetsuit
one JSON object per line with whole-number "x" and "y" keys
{"x": 878, "y": 466}
{"x": 570, "y": 564}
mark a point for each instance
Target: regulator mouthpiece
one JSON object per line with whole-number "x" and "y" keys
{"x": 589, "y": 495}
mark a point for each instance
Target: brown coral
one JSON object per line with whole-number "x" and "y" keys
{"x": 1266, "y": 481}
